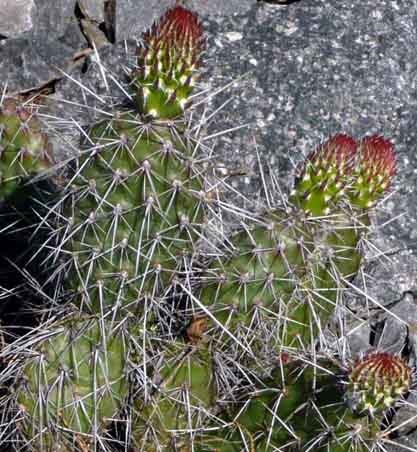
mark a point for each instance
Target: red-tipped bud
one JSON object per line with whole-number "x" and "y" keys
{"x": 374, "y": 172}
{"x": 339, "y": 151}
{"x": 339, "y": 167}
{"x": 377, "y": 382}
{"x": 167, "y": 62}
{"x": 179, "y": 29}
{"x": 324, "y": 174}
{"x": 378, "y": 158}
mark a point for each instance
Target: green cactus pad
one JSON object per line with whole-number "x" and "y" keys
{"x": 288, "y": 270}
{"x": 24, "y": 148}
{"x": 74, "y": 385}
{"x": 136, "y": 206}
{"x": 179, "y": 400}
{"x": 167, "y": 64}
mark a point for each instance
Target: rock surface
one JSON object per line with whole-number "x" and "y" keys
{"x": 93, "y": 9}
{"x": 16, "y": 17}
{"x": 52, "y": 17}
{"x": 44, "y": 38}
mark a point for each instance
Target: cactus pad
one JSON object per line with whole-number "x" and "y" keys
{"x": 136, "y": 207}
{"x": 24, "y": 149}
{"x": 74, "y": 385}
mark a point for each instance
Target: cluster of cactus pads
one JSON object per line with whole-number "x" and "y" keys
{"x": 163, "y": 333}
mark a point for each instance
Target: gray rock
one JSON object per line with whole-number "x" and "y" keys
{"x": 93, "y": 9}
{"x": 357, "y": 337}
{"x": 48, "y": 39}
{"x": 16, "y": 17}
{"x": 39, "y": 16}
{"x": 30, "y": 63}
{"x": 94, "y": 35}
{"x": 104, "y": 75}
{"x": 393, "y": 337}
{"x": 73, "y": 37}
{"x": 51, "y": 18}
{"x": 220, "y": 7}
{"x": 133, "y": 17}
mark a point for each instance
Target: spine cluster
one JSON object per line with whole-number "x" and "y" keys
{"x": 163, "y": 334}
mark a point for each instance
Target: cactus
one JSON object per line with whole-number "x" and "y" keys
{"x": 307, "y": 404}
{"x": 279, "y": 274}
{"x": 73, "y": 384}
{"x": 323, "y": 178}
{"x": 24, "y": 149}
{"x": 136, "y": 202}
{"x": 26, "y": 188}
{"x": 376, "y": 382}
{"x": 158, "y": 348}
{"x": 179, "y": 401}
{"x": 168, "y": 63}
{"x": 292, "y": 264}
{"x": 133, "y": 210}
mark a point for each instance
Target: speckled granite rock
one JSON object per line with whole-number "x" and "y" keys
{"x": 52, "y": 17}
{"x": 16, "y": 17}
{"x": 28, "y": 63}
{"x": 45, "y": 46}
{"x": 40, "y": 16}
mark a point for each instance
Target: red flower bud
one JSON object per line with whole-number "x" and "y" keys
{"x": 167, "y": 63}
{"x": 374, "y": 171}
{"x": 377, "y": 381}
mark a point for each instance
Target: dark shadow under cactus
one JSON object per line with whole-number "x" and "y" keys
{"x": 20, "y": 216}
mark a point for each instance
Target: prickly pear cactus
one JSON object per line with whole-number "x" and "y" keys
{"x": 74, "y": 384}
{"x": 180, "y": 341}
{"x": 290, "y": 267}
{"x": 136, "y": 201}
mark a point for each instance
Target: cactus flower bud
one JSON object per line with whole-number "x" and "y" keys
{"x": 167, "y": 63}
{"x": 377, "y": 381}
{"x": 324, "y": 175}
{"x": 374, "y": 171}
